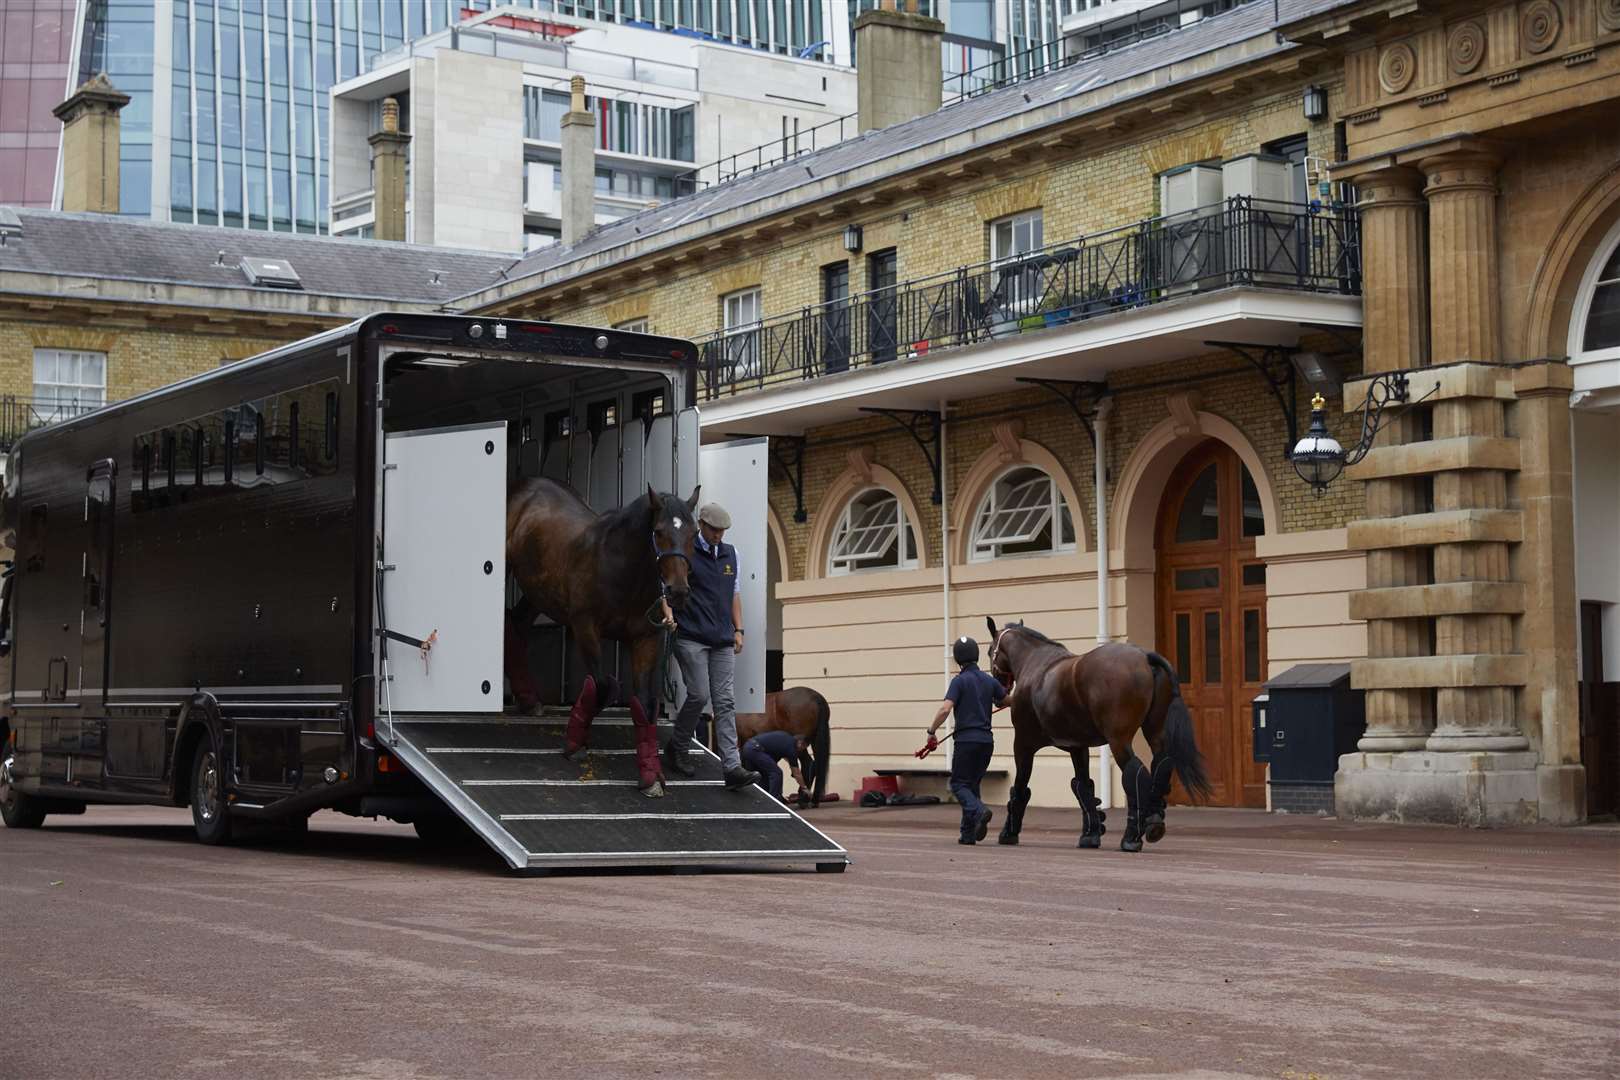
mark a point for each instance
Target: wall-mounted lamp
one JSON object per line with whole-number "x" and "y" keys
{"x": 852, "y": 238}
{"x": 1315, "y": 103}
{"x": 1319, "y": 459}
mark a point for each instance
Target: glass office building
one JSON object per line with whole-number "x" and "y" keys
{"x": 36, "y": 38}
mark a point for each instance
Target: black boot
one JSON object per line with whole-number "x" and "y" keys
{"x": 1132, "y": 840}
{"x": 983, "y": 826}
{"x": 1092, "y": 834}
{"x": 676, "y": 758}
{"x": 739, "y": 778}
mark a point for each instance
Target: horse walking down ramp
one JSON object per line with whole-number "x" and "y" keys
{"x": 1101, "y": 698}
{"x": 804, "y": 714}
{"x": 557, "y": 790}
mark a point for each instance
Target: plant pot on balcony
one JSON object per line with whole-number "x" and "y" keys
{"x": 1003, "y": 328}
{"x": 1057, "y": 317}
{"x": 1032, "y": 322}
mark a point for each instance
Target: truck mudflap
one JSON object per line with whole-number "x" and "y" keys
{"x": 507, "y": 778}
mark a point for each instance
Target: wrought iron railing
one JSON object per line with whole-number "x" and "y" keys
{"x": 1242, "y": 241}
{"x": 20, "y": 415}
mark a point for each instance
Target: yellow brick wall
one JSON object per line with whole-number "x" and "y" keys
{"x": 139, "y": 358}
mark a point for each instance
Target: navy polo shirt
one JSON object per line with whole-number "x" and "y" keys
{"x": 777, "y": 744}
{"x": 973, "y": 692}
{"x": 714, "y": 579}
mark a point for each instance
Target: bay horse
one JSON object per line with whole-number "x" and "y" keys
{"x": 601, "y": 575}
{"x": 802, "y": 713}
{"x": 1101, "y": 698}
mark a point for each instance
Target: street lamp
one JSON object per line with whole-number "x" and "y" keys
{"x": 1316, "y": 106}
{"x": 852, "y": 238}
{"x": 1319, "y": 459}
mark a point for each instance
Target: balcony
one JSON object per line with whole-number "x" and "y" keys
{"x": 20, "y": 415}
{"x": 1202, "y": 254}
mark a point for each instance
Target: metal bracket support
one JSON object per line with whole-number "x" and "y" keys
{"x": 787, "y": 454}
{"x": 1276, "y": 367}
{"x": 1072, "y": 392}
{"x": 915, "y": 422}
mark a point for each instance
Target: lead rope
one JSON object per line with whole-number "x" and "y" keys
{"x": 666, "y": 648}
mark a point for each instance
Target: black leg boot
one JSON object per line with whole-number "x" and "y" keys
{"x": 1153, "y": 816}
{"x": 1091, "y": 832}
{"x": 1017, "y": 799}
{"x": 1135, "y": 780}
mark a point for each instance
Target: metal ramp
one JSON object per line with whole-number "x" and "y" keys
{"x": 506, "y": 777}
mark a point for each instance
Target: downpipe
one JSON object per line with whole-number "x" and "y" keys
{"x": 1105, "y": 406}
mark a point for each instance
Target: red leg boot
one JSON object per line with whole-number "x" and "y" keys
{"x": 579, "y": 721}
{"x": 526, "y": 694}
{"x": 652, "y": 773}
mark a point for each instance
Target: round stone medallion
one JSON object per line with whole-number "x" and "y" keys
{"x": 1539, "y": 24}
{"x": 1465, "y": 47}
{"x": 1396, "y": 68}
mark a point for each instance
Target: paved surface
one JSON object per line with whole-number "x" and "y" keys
{"x": 1243, "y": 945}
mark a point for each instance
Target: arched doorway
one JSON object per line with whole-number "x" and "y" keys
{"x": 1212, "y": 610}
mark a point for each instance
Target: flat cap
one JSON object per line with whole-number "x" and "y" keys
{"x": 715, "y": 516}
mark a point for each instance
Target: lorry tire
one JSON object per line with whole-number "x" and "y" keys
{"x": 209, "y": 814}
{"x": 20, "y": 811}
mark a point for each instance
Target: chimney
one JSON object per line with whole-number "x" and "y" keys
{"x": 578, "y": 167}
{"x": 90, "y": 132}
{"x": 388, "y": 156}
{"x": 898, "y": 71}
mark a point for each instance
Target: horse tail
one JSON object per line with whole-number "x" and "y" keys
{"x": 821, "y": 744}
{"x": 1178, "y": 734}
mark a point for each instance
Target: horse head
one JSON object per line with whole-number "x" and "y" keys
{"x": 1010, "y": 646}
{"x": 674, "y": 534}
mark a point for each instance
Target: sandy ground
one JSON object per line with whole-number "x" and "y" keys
{"x": 1242, "y": 946}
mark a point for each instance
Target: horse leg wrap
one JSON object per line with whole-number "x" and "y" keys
{"x": 1091, "y": 813}
{"x": 1137, "y": 782}
{"x": 652, "y": 774}
{"x": 1153, "y": 812}
{"x": 580, "y": 717}
{"x": 524, "y": 691}
{"x": 1017, "y": 800}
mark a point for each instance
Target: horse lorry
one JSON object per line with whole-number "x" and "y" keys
{"x": 278, "y": 587}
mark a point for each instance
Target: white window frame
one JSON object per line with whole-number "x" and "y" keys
{"x": 861, "y": 515}
{"x": 996, "y": 525}
{"x": 741, "y": 316}
{"x": 68, "y": 396}
{"x": 1011, "y": 238}
{"x": 642, "y": 325}
{"x": 1582, "y": 310}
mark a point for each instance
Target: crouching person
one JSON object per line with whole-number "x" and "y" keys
{"x": 763, "y": 751}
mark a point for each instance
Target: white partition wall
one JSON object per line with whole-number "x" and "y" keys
{"x": 632, "y": 460}
{"x": 659, "y": 463}
{"x": 579, "y": 472}
{"x": 604, "y": 489}
{"x": 734, "y": 474}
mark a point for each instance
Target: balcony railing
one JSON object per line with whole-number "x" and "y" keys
{"x": 766, "y": 154}
{"x": 20, "y": 415}
{"x": 1240, "y": 242}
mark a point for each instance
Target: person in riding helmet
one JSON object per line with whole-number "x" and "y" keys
{"x": 973, "y": 694}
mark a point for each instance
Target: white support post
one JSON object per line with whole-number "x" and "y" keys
{"x": 1099, "y": 423}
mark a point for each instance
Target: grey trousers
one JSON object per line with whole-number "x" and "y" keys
{"x": 708, "y": 673}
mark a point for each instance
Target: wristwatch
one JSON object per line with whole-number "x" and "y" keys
{"x": 740, "y": 630}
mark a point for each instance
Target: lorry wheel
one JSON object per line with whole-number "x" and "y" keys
{"x": 19, "y": 811}
{"x": 208, "y": 812}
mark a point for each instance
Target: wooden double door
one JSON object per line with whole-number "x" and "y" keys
{"x": 1212, "y": 612}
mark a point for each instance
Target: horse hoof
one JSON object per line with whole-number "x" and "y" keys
{"x": 1089, "y": 841}
{"x": 1154, "y": 830}
{"x": 1007, "y": 838}
{"x": 1130, "y": 843}
{"x": 654, "y": 790}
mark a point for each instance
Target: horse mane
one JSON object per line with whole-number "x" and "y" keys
{"x": 1038, "y": 636}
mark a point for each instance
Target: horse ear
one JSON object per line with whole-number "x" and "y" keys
{"x": 654, "y": 501}
{"x": 991, "y": 623}
{"x": 692, "y": 499}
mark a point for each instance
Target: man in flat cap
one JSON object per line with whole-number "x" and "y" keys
{"x": 710, "y": 637}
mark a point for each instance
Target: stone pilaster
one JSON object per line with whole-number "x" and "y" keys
{"x": 1395, "y": 317}
{"x": 1463, "y": 295}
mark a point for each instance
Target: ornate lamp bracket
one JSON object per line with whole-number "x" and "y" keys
{"x": 1277, "y": 369}
{"x": 1319, "y": 459}
{"x": 1081, "y": 398}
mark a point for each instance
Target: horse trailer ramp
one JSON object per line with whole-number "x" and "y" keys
{"x": 507, "y": 778}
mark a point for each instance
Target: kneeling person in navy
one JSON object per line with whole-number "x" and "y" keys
{"x": 973, "y": 694}
{"x": 763, "y": 751}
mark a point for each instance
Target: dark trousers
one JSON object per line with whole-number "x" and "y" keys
{"x": 968, "y": 765}
{"x": 770, "y": 774}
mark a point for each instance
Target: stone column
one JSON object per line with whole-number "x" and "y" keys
{"x": 578, "y": 167}
{"x": 90, "y": 143}
{"x": 1463, "y": 326}
{"x": 1395, "y": 317}
{"x": 389, "y": 149}
{"x": 1546, "y": 493}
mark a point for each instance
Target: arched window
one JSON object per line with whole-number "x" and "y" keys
{"x": 1597, "y": 308}
{"x": 873, "y": 534}
{"x": 1023, "y": 513}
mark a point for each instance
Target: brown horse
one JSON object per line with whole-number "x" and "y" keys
{"x": 803, "y": 713}
{"x": 1099, "y": 699}
{"x": 601, "y": 575}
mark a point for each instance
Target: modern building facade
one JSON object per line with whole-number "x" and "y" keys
{"x": 488, "y": 99}
{"x": 36, "y": 43}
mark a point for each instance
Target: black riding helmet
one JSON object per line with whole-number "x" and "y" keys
{"x": 965, "y": 651}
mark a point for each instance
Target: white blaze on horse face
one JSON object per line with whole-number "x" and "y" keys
{"x": 677, "y": 523}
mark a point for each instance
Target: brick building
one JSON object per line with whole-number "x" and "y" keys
{"x": 1041, "y": 354}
